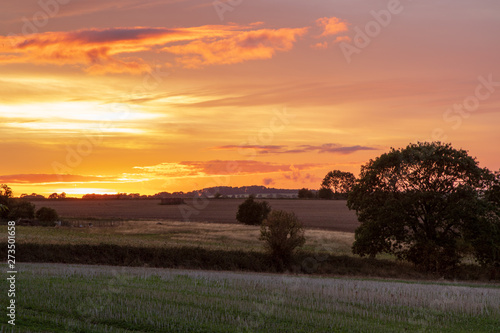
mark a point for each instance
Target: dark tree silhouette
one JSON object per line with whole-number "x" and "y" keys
{"x": 339, "y": 182}
{"x": 422, "y": 203}
{"x": 305, "y": 193}
{"x": 282, "y": 232}
{"x": 253, "y": 212}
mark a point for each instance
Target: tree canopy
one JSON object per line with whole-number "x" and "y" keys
{"x": 425, "y": 203}
{"x": 339, "y": 182}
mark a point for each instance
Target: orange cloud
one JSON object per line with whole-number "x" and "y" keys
{"x": 331, "y": 26}
{"x": 93, "y": 49}
{"x": 110, "y": 50}
{"x": 221, "y": 167}
{"x": 296, "y": 175}
{"x": 320, "y": 46}
{"x": 241, "y": 46}
{"x": 342, "y": 39}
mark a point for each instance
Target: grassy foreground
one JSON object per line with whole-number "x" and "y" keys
{"x": 72, "y": 298}
{"x": 195, "y": 245}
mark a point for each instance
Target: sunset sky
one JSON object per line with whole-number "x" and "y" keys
{"x": 144, "y": 96}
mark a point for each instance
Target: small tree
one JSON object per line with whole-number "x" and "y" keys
{"x": 283, "y": 233}
{"x": 305, "y": 193}
{"x": 252, "y": 212}
{"x": 339, "y": 182}
{"x": 47, "y": 215}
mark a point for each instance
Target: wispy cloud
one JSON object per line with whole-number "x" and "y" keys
{"x": 74, "y": 8}
{"x": 222, "y": 167}
{"x": 336, "y": 148}
{"x": 298, "y": 176}
{"x": 240, "y": 47}
{"x": 332, "y": 148}
{"x": 262, "y": 149}
{"x": 52, "y": 178}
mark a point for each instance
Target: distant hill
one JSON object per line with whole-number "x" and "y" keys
{"x": 235, "y": 192}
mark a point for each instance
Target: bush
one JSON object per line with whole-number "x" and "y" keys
{"x": 325, "y": 193}
{"x": 252, "y": 212}
{"x": 22, "y": 210}
{"x": 46, "y": 214}
{"x": 282, "y": 232}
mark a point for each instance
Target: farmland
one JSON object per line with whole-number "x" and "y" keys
{"x": 73, "y": 298}
{"x": 157, "y": 233}
{"x": 317, "y": 214}
{"x": 142, "y": 293}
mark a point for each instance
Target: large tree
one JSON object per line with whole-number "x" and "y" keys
{"x": 421, "y": 203}
{"x": 339, "y": 182}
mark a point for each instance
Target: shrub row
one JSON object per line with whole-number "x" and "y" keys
{"x": 208, "y": 259}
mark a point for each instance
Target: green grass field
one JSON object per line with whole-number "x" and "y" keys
{"x": 72, "y": 298}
